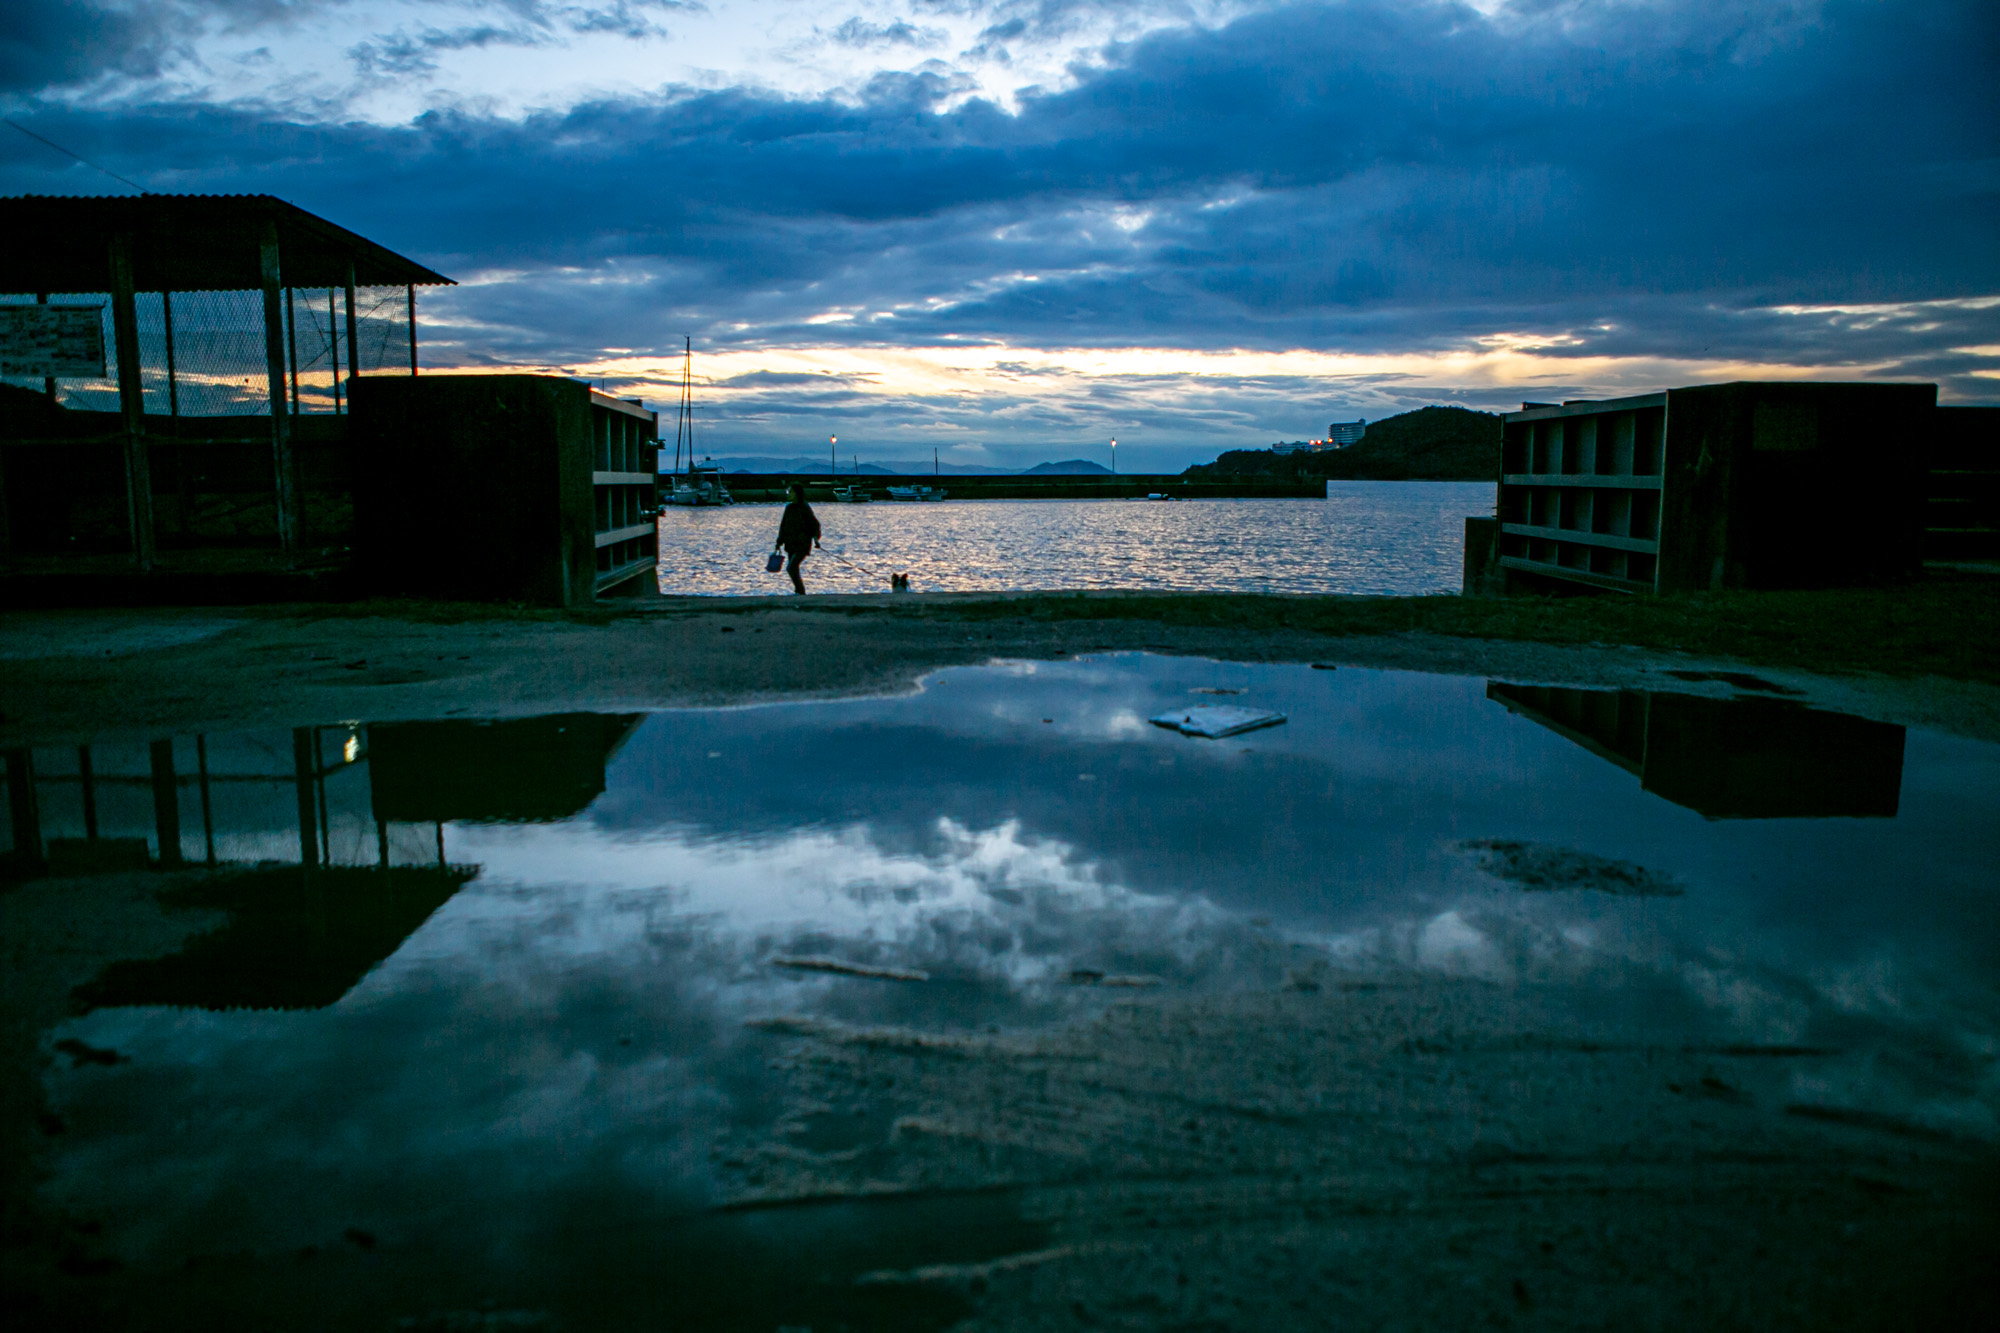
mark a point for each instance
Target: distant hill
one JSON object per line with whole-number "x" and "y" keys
{"x": 922, "y": 467}
{"x": 759, "y": 463}
{"x": 1069, "y": 467}
{"x": 818, "y": 467}
{"x": 1429, "y": 444}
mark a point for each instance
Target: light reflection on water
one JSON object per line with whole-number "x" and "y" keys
{"x": 576, "y": 1024}
{"x": 1377, "y": 537}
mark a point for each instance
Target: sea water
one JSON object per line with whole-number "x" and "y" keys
{"x": 1379, "y": 537}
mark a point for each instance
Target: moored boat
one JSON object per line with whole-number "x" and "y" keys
{"x": 701, "y": 484}
{"x": 917, "y": 493}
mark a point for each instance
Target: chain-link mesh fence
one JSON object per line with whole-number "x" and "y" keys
{"x": 201, "y": 354}
{"x": 204, "y": 375}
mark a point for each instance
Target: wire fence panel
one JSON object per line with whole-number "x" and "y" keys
{"x": 213, "y": 345}
{"x": 382, "y": 330}
{"x": 218, "y": 345}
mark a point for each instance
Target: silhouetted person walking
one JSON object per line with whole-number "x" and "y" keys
{"x": 798, "y": 533}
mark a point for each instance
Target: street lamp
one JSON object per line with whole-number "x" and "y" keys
{"x": 832, "y": 459}
{"x": 1114, "y": 458}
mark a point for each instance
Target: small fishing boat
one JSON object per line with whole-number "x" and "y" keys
{"x": 1161, "y": 495}
{"x": 852, "y": 495}
{"x": 917, "y": 492}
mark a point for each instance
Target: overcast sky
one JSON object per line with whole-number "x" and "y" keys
{"x": 1017, "y": 228}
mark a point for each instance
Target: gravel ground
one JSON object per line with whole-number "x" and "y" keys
{"x": 75, "y": 676}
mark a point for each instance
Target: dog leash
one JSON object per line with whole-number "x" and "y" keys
{"x": 873, "y": 574}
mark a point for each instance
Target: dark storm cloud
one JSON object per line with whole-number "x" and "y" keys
{"x": 46, "y": 45}
{"x": 416, "y": 53}
{"x": 404, "y": 53}
{"x": 1641, "y": 180}
{"x": 49, "y": 43}
{"x": 863, "y": 35}
{"x": 1045, "y": 20}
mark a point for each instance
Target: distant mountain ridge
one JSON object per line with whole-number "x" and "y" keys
{"x": 1429, "y": 444}
{"x": 903, "y": 468}
{"x": 1069, "y": 467}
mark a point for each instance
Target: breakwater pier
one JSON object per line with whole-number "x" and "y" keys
{"x": 754, "y": 486}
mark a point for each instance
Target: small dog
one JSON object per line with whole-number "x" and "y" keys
{"x": 899, "y": 583}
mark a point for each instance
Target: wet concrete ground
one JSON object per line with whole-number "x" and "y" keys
{"x": 1451, "y": 1002}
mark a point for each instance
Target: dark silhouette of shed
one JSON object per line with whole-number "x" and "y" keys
{"x": 1746, "y": 485}
{"x": 193, "y": 243}
{"x": 516, "y": 770}
{"x": 295, "y": 937}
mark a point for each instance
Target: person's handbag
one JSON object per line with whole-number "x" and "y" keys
{"x": 775, "y": 563}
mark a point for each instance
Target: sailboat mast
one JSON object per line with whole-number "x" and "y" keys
{"x": 680, "y": 420}
{"x": 684, "y": 428}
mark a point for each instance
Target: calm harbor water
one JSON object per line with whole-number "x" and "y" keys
{"x": 535, "y": 1063}
{"x": 1384, "y": 537}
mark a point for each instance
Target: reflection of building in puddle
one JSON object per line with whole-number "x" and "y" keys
{"x": 296, "y": 938}
{"x": 1728, "y": 758}
{"x": 351, "y": 794}
{"x": 325, "y": 844}
{"x": 533, "y": 769}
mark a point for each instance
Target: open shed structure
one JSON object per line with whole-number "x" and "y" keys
{"x": 1744, "y": 485}
{"x": 165, "y": 244}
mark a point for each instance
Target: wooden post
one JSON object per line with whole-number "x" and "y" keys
{"x": 181, "y": 505}
{"x": 26, "y": 818}
{"x": 87, "y": 781}
{"x": 302, "y": 781}
{"x": 412, "y": 293}
{"x": 6, "y": 519}
{"x": 207, "y": 814}
{"x": 319, "y": 792}
{"x": 292, "y": 342}
{"x": 353, "y": 333}
{"x": 333, "y": 349}
{"x": 131, "y": 402}
{"x": 283, "y": 465}
{"x": 48, "y": 381}
{"x": 173, "y": 384}
{"x": 166, "y": 803}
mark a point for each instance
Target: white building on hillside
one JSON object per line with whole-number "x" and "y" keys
{"x": 1338, "y": 436}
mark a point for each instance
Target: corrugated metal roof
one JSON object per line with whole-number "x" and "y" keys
{"x": 185, "y": 243}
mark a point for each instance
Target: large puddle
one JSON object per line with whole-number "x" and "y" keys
{"x": 533, "y": 1034}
